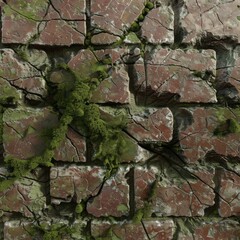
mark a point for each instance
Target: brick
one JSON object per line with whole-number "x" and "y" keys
{"x": 148, "y": 229}
{"x": 216, "y": 18}
{"x": 228, "y": 78}
{"x": 113, "y": 200}
{"x": 206, "y": 130}
{"x": 152, "y": 125}
{"x": 172, "y": 196}
{"x": 169, "y": 76}
{"x": 25, "y": 135}
{"x": 39, "y": 22}
{"x": 113, "y": 89}
{"x": 222, "y": 230}
{"x": 113, "y": 17}
{"x": 157, "y": 26}
{"x": 229, "y": 191}
{"x": 22, "y": 75}
{"x": 74, "y": 183}
{"x": 17, "y": 230}
{"x": 25, "y": 196}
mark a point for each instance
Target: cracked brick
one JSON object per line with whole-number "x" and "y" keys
{"x": 229, "y": 190}
{"x": 26, "y": 196}
{"x": 201, "y": 18}
{"x": 112, "y": 17}
{"x": 45, "y": 23}
{"x": 206, "y": 130}
{"x": 152, "y": 125}
{"x": 75, "y": 183}
{"x": 172, "y": 195}
{"x": 113, "y": 200}
{"x": 157, "y": 26}
{"x": 22, "y": 75}
{"x": 148, "y": 229}
{"x": 169, "y": 76}
{"x": 26, "y": 134}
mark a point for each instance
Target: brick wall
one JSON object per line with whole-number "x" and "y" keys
{"x": 173, "y": 71}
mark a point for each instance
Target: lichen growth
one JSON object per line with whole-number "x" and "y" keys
{"x": 72, "y": 100}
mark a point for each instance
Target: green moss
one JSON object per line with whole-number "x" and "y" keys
{"x": 145, "y": 211}
{"x": 149, "y": 5}
{"x": 79, "y": 208}
{"x": 226, "y": 127}
{"x": 135, "y": 27}
{"x": 72, "y": 98}
{"x": 23, "y": 9}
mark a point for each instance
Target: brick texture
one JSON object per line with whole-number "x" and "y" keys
{"x": 146, "y": 95}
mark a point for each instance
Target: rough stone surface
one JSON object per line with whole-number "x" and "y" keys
{"x": 171, "y": 196}
{"x": 113, "y": 17}
{"x": 44, "y": 23}
{"x": 206, "y": 130}
{"x": 230, "y": 194}
{"x": 153, "y": 229}
{"x": 27, "y": 125}
{"x": 152, "y": 126}
{"x": 225, "y": 229}
{"x": 113, "y": 199}
{"x": 74, "y": 183}
{"x": 169, "y": 76}
{"x": 17, "y": 230}
{"x": 26, "y": 196}
{"x": 113, "y": 89}
{"x": 21, "y": 74}
{"x": 157, "y": 26}
{"x": 215, "y": 18}
{"x": 164, "y": 75}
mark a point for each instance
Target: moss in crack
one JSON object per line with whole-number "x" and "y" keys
{"x": 227, "y": 124}
{"x": 145, "y": 212}
{"x": 54, "y": 231}
{"x": 226, "y": 127}
{"x": 72, "y": 99}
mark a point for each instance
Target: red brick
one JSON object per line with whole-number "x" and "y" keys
{"x": 170, "y": 76}
{"x": 198, "y": 135}
{"x": 153, "y": 125}
{"x": 17, "y": 230}
{"x": 22, "y": 22}
{"x": 222, "y": 230}
{"x": 148, "y": 229}
{"x": 173, "y": 196}
{"x": 113, "y": 200}
{"x": 113, "y": 17}
{"x": 157, "y": 26}
{"x": 74, "y": 183}
{"x": 229, "y": 191}
{"x": 215, "y": 18}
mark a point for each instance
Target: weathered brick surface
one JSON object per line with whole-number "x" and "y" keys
{"x": 175, "y": 75}
{"x": 111, "y": 18}
{"x": 27, "y": 125}
{"x": 230, "y": 194}
{"x": 74, "y": 183}
{"x": 156, "y": 125}
{"x": 157, "y": 27}
{"x": 206, "y": 130}
{"x": 27, "y": 196}
{"x": 170, "y": 196}
{"x": 17, "y": 230}
{"x": 113, "y": 200}
{"x": 153, "y": 229}
{"x": 217, "y": 18}
{"x": 44, "y": 23}
{"x": 157, "y": 157}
